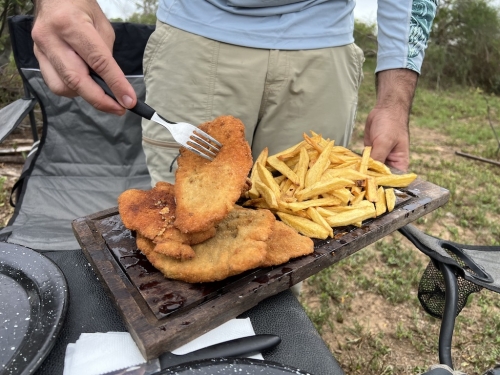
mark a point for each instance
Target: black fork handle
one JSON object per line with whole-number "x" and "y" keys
{"x": 141, "y": 108}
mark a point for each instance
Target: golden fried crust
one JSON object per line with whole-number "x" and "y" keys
{"x": 176, "y": 250}
{"x": 174, "y": 234}
{"x": 176, "y": 244}
{"x": 239, "y": 245}
{"x": 151, "y": 213}
{"x": 199, "y": 237}
{"x": 284, "y": 244}
{"x": 247, "y": 186}
{"x": 207, "y": 191}
{"x": 148, "y": 211}
{"x": 144, "y": 244}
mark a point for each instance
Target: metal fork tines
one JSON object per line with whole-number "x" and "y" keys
{"x": 191, "y": 137}
{"x": 185, "y": 134}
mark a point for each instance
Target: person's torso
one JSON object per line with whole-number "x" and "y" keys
{"x": 272, "y": 24}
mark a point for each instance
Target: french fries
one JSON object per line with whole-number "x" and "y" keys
{"x": 305, "y": 226}
{"x": 316, "y": 186}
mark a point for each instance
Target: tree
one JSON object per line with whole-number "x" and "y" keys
{"x": 146, "y": 12}
{"x": 10, "y": 8}
{"x": 365, "y": 35}
{"x": 465, "y": 45}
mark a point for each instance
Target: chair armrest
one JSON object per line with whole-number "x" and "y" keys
{"x": 12, "y": 115}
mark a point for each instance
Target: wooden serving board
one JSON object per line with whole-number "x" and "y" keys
{"x": 163, "y": 314}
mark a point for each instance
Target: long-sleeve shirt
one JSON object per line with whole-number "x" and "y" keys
{"x": 403, "y": 25}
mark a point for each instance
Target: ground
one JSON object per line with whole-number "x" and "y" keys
{"x": 10, "y": 169}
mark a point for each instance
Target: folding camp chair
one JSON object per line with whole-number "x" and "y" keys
{"x": 84, "y": 158}
{"x": 83, "y": 161}
{"x": 454, "y": 272}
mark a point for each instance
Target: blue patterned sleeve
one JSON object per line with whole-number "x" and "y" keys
{"x": 422, "y": 15}
{"x": 403, "y": 31}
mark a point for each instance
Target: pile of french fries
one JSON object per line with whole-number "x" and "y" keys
{"x": 316, "y": 186}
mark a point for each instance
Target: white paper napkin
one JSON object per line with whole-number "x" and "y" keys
{"x": 232, "y": 329}
{"x": 100, "y": 353}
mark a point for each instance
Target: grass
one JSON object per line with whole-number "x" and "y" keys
{"x": 366, "y": 306}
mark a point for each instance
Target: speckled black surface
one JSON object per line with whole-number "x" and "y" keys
{"x": 33, "y": 302}
{"x": 227, "y": 366}
{"x": 91, "y": 310}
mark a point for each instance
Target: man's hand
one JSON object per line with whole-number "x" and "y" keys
{"x": 386, "y": 128}
{"x": 70, "y": 37}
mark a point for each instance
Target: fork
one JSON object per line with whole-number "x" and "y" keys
{"x": 185, "y": 134}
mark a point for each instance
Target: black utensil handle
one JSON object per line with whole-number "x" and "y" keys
{"x": 244, "y": 346}
{"x": 141, "y": 108}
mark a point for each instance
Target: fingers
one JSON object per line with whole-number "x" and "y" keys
{"x": 51, "y": 77}
{"x": 67, "y": 47}
{"x": 99, "y": 58}
{"x": 398, "y": 160}
{"x": 71, "y": 78}
{"x": 392, "y": 156}
{"x": 380, "y": 151}
{"x": 389, "y": 139}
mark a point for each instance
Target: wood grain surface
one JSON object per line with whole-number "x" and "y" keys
{"x": 163, "y": 314}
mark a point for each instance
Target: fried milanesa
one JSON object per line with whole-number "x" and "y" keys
{"x": 284, "y": 244}
{"x": 240, "y": 244}
{"x": 206, "y": 191}
{"x": 246, "y": 186}
{"x": 151, "y": 213}
{"x": 174, "y": 243}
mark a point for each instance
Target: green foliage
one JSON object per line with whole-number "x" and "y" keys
{"x": 365, "y": 36}
{"x": 10, "y": 8}
{"x": 146, "y": 13}
{"x": 11, "y": 87}
{"x": 464, "y": 47}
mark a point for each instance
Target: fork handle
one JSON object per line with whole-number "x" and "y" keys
{"x": 141, "y": 108}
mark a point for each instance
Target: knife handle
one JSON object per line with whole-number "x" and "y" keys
{"x": 141, "y": 108}
{"x": 244, "y": 346}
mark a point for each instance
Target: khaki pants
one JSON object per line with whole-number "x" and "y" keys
{"x": 278, "y": 94}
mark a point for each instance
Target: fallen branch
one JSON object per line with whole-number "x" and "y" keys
{"x": 16, "y": 150}
{"x": 477, "y": 158}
